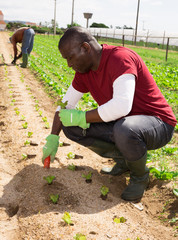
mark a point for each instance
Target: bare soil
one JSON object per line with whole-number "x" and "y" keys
{"x": 26, "y": 211}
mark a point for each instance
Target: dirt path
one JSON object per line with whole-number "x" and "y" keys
{"x": 25, "y": 209}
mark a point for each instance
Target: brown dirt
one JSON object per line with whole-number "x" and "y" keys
{"x": 25, "y": 209}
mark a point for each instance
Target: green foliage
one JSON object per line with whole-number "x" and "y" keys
{"x": 163, "y": 174}
{"x": 54, "y": 198}
{"x": 87, "y": 176}
{"x": 30, "y": 134}
{"x": 98, "y": 25}
{"x": 71, "y": 155}
{"x": 120, "y": 220}
{"x": 67, "y": 218}
{"x": 72, "y": 167}
{"x": 104, "y": 190}
{"x": 80, "y": 236}
{"x": 25, "y": 125}
{"x": 26, "y": 143}
{"x": 49, "y": 179}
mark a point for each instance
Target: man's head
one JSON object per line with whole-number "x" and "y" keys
{"x": 77, "y": 46}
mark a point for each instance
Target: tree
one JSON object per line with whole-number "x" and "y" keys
{"x": 72, "y": 25}
{"x": 98, "y": 25}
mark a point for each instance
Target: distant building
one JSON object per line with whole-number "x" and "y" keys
{"x": 2, "y": 23}
{"x": 30, "y": 24}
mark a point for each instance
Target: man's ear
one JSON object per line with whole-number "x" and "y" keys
{"x": 86, "y": 47}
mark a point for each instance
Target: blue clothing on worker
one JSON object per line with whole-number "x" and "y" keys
{"x": 28, "y": 40}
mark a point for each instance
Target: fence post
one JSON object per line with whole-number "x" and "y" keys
{"x": 123, "y": 40}
{"x": 167, "y": 47}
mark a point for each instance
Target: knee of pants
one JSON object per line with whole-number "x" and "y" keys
{"x": 128, "y": 141}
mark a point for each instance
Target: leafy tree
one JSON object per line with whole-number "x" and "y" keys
{"x": 72, "y": 25}
{"x": 98, "y": 25}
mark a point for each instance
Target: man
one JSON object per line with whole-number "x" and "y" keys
{"x": 24, "y": 35}
{"x": 132, "y": 116}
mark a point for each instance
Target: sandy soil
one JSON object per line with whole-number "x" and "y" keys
{"x": 25, "y": 209}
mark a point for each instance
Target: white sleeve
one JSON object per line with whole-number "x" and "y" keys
{"x": 121, "y": 103}
{"x": 72, "y": 96}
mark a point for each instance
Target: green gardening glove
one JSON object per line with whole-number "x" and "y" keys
{"x": 73, "y": 117}
{"x": 51, "y": 146}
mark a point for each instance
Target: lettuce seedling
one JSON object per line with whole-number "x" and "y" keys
{"x": 24, "y": 156}
{"x": 54, "y": 198}
{"x": 72, "y": 167}
{"x": 44, "y": 119}
{"x": 71, "y": 155}
{"x": 67, "y": 218}
{"x": 25, "y": 125}
{"x": 88, "y": 177}
{"x": 26, "y": 142}
{"x": 30, "y": 134}
{"x": 47, "y": 125}
{"x": 80, "y": 236}
{"x": 120, "y": 220}
{"x": 104, "y": 192}
{"x": 22, "y": 117}
{"x": 61, "y": 104}
{"x": 49, "y": 179}
{"x": 61, "y": 144}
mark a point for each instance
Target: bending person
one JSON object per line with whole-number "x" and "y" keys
{"x": 24, "y": 35}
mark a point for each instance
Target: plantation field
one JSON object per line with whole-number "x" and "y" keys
{"x": 27, "y": 105}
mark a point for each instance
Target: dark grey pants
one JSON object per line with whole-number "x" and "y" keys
{"x": 132, "y": 135}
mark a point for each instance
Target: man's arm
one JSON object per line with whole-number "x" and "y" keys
{"x": 57, "y": 125}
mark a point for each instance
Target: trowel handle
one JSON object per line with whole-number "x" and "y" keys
{"x": 47, "y": 162}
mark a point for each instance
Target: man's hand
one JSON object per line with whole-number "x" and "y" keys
{"x": 73, "y": 117}
{"x": 51, "y": 147}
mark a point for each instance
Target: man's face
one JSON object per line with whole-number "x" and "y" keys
{"x": 77, "y": 56}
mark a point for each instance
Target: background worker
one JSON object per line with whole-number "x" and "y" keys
{"x": 24, "y": 35}
{"x": 132, "y": 117}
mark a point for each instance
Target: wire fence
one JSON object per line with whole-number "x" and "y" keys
{"x": 143, "y": 38}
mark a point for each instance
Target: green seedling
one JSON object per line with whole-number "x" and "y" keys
{"x": 36, "y": 101}
{"x": 80, "y": 236}
{"x": 13, "y": 100}
{"x": 25, "y": 125}
{"x": 61, "y": 104}
{"x": 17, "y": 112}
{"x": 26, "y": 143}
{"x": 47, "y": 125}
{"x": 16, "y": 109}
{"x": 71, "y": 155}
{"x": 49, "y": 179}
{"x": 88, "y": 177}
{"x": 22, "y": 117}
{"x": 24, "y": 156}
{"x": 104, "y": 192}
{"x": 120, "y": 220}
{"x": 163, "y": 174}
{"x": 72, "y": 167}
{"x": 54, "y": 198}
{"x": 40, "y": 113}
{"x": 44, "y": 119}
{"x": 37, "y": 108}
{"x": 30, "y": 134}
{"x": 61, "y": 144}
{"x": 67, "y": 218}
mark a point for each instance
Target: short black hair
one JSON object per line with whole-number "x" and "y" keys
{"x": 75, "y": 33}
